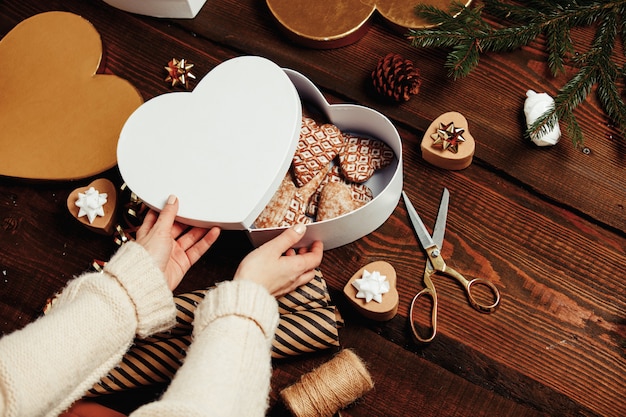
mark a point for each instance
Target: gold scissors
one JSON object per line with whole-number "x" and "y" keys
{"x": 435, "y": 263}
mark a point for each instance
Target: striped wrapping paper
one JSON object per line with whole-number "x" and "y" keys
{"x": 308, "y": 322}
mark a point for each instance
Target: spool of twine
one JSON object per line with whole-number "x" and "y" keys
{"x": 328, "y": 388}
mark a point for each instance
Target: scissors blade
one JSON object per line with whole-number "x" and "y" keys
{"x": 420, "y": 230}
{"x": 440, "y": 224}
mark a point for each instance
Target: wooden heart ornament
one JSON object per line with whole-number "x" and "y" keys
{"x": 95, "y": 206}
{"x": 372, "y": 291}
{"x": 59, "y": 119}
{"x": 336, "y": 23}
{"x": 222, "y": 148}
{"x": 448, "y": 143}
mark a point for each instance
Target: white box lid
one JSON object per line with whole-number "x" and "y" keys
{"x": 223, "y": 148}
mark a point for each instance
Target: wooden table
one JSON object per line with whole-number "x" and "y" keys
{"x": 547, "y": 226}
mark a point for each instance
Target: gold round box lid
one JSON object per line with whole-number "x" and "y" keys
{"x": 333, "y": 24}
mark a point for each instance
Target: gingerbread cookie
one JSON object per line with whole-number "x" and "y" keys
{"x": 336, "y": 200}
{"x": 359, "y": 192}
{"x": 287, "y": 206}
{"x": 362, "y": 156}
{"x": 318, "y": 145}
{"x": 296, "y": 212}
{"x": 274, "y": 212}
{"x": 314, "y": 186}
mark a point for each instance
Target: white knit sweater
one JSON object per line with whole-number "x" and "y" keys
{"x": 52, "y": 362}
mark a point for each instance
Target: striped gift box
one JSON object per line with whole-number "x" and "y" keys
{"x": 308, "y": 322}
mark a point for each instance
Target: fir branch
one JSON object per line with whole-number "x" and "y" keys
{"x": 468, "y": 34}
{"x": 463, "y": 59}
{"x": 559, "y": 46}
{"x": 610, "y": 98}
{"x": 573, "y": 93}
{"x": 622, "y": 26}
{"x": 574, "y": 130}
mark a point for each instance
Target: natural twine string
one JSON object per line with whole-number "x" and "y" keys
{"x": 329, "y": 388}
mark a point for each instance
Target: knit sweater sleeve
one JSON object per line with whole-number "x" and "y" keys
{"x": 227, "y": 370}
{"x": 53, "y": 361}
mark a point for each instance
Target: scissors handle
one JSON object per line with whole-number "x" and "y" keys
{"x": 428, "y": 292}
{"x": 470, "y": 285}
{"x": 482, "y": 307}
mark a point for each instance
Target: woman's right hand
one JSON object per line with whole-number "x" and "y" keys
{"x": 277, "y": 267}
{"x": 174, "y": 247}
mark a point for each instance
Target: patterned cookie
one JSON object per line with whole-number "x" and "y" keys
{"x": 360, "y": 192}
{"x": 286, "y": 208}
{"x": 274, "y": 212}
{"x": 318, "y": 145}
{"x": 336, "y": 200}
{"x": 314, "y": 186}
{"x": 296, "y": 212}
{"x": 362, "y": 156}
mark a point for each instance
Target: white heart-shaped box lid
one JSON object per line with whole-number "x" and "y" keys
{"x": 223, "y": 148}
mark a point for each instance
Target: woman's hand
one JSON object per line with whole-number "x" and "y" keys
{"x": 173, "y": 248}
{"x": 278, "y": 267}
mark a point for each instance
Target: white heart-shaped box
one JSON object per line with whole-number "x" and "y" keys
{"x": 386, "y": 184}
{"x": 223, "y": 149}
{"x": 165, "y": 148}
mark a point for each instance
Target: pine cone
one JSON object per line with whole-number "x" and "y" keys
{"x": 396, "y": 78}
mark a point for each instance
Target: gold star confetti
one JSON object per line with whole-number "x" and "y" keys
{"x": 178, "y": 72}
{"x": 448, "y": 137}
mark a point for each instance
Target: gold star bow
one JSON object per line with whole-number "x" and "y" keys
{"x": 178, "y": 72}
{"x": 448, "y": 137}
